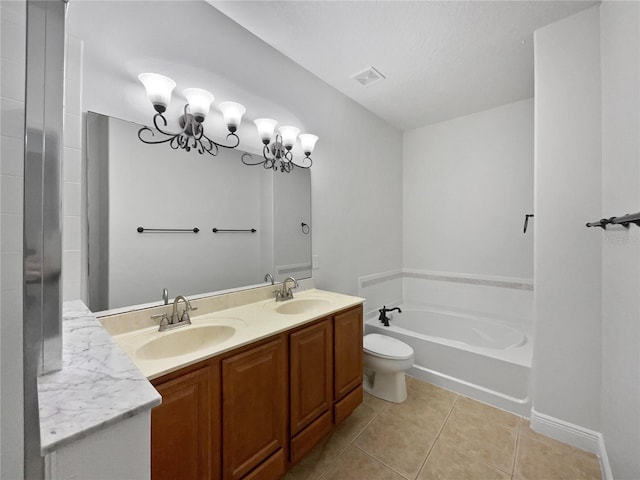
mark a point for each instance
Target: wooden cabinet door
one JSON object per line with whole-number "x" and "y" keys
{"x": 311, "y": 371}
{"x": 254, "y": 406}
{"x": 347, "y": 332}
{"x": 182, "y": 437}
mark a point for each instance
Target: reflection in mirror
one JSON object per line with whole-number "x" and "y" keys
{"x": 132, "y": 185}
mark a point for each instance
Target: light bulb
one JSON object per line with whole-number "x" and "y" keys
{"x": 308, "y": 142}
{"x": 199, "y": 101}
{"x": 266, "y": 127}
{"x": 232, "y": 113}
{"x": 158, "y": 89}
{"x": 289, "y": 135}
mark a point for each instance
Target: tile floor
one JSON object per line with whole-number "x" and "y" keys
{"x": 437, "y": 434}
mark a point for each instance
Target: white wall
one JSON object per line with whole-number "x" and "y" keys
{"x": 620, "y": 50}
{"x": 356, "y": 176}
{"x": 467, "y": 184}
{"x": 12, "y": 68}
{"x": 566, "y": 363}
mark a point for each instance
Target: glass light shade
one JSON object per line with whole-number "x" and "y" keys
{"x": 308, "y": 142}
{"x": 199, "y": 101}
{"x": 266, "y": 127}
{"x": 289, "y": 135}
{"x": 232, "y": 113}
{"x": 158, "y": 89}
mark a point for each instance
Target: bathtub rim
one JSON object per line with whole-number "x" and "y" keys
{"x": 520, "y": 355}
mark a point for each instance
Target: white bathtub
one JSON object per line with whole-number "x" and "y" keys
{"x": 476, "y": 356}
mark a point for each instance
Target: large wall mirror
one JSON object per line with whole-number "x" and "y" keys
{"x": 131, "y": 185}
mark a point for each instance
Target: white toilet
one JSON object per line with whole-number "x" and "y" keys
{"x": 385, "y": 361}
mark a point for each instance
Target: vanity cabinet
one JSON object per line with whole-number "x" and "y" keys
{"x": 252, "y": 412}
{"x": 184, "y": 428}
{"x": 254, "y": 408}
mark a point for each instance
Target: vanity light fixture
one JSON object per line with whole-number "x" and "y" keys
{"x": 278, "y": 154}
{"x": 192, "y": 135}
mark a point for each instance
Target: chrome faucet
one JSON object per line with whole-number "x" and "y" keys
{"x": 176, "y": 320}
{"x": 268, "y": 277}
{"x": 165, "y": 296}
{"x": 285, "y": 292}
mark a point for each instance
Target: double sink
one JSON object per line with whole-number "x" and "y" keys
{"x": 157, "y": 353}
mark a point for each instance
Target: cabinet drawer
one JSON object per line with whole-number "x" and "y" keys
{"x": 302, "y": 443}
{"x": 348, "y": 404}
{"x": 271, "y": 469}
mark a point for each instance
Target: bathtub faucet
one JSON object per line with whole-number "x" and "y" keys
{"x": 383, "y": 314}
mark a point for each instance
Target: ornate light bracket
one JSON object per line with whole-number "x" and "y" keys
{"x": 277, "y": 156}
{"x": 190, "y": 137}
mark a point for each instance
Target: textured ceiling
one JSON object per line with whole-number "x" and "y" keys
{"x": 441, "y": 59}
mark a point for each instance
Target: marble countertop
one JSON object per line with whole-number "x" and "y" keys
{"x": 252, "y": 322}
{"x": 98, "y": 385}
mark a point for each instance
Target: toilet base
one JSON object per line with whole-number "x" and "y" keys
{"x": 390, "y": 386}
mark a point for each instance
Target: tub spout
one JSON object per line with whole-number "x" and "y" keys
{"x": 383, "y": 314}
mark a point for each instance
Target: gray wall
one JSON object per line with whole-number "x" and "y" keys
{"x": 620, "y": 50}
{"x": 357, "y": 173}
{"x": 12, "y": 95}
{"x": 587, "y": 354}
{"x": 566, "y": 362}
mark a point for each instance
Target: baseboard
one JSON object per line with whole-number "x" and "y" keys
{"x": 575, "y": 435}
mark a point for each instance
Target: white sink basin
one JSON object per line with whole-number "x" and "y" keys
{"x": 184, "y": 340}
{"x": 302, "y": 305}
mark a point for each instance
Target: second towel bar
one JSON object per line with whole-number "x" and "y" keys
{"x": 223, "y": 230}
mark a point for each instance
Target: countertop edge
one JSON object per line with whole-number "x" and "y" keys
{"x": 98, "y": 385}
{"x": 153, "y": 372}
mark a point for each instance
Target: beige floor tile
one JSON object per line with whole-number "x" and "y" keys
{"x": 487, "y": 412}
{"x": 428, "y": 388}
{"x": 357, "y": 465}
{"x": 351, "y": 427}
{"x": 316, "y": 463}
{"x": 326, "y": 452}
{"x": 427, "y": 408}
{"x": 481, "y": 439}
{"x": 375, "y": 403}
{"x": 541, "y": 457}
{"x": 447, "y": 463}
{"x": 398, "y": 443}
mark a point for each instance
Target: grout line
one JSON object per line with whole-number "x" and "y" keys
{"x": 351, "y": 443}
{"x": 380, "y": 461}
{"x": 515, "y": 451}
{"x": 437, "y": 437}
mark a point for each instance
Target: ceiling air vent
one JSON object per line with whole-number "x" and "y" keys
{"x": 368, "y": 76}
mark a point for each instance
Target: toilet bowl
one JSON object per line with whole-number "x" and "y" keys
{"x": 385, "y": 361}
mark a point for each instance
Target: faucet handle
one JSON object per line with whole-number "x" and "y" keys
{"x": 185, "y": 317}
{"x": 164, "y": 319}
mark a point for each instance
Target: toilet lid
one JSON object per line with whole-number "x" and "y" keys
{"x": 388, "y": 347}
